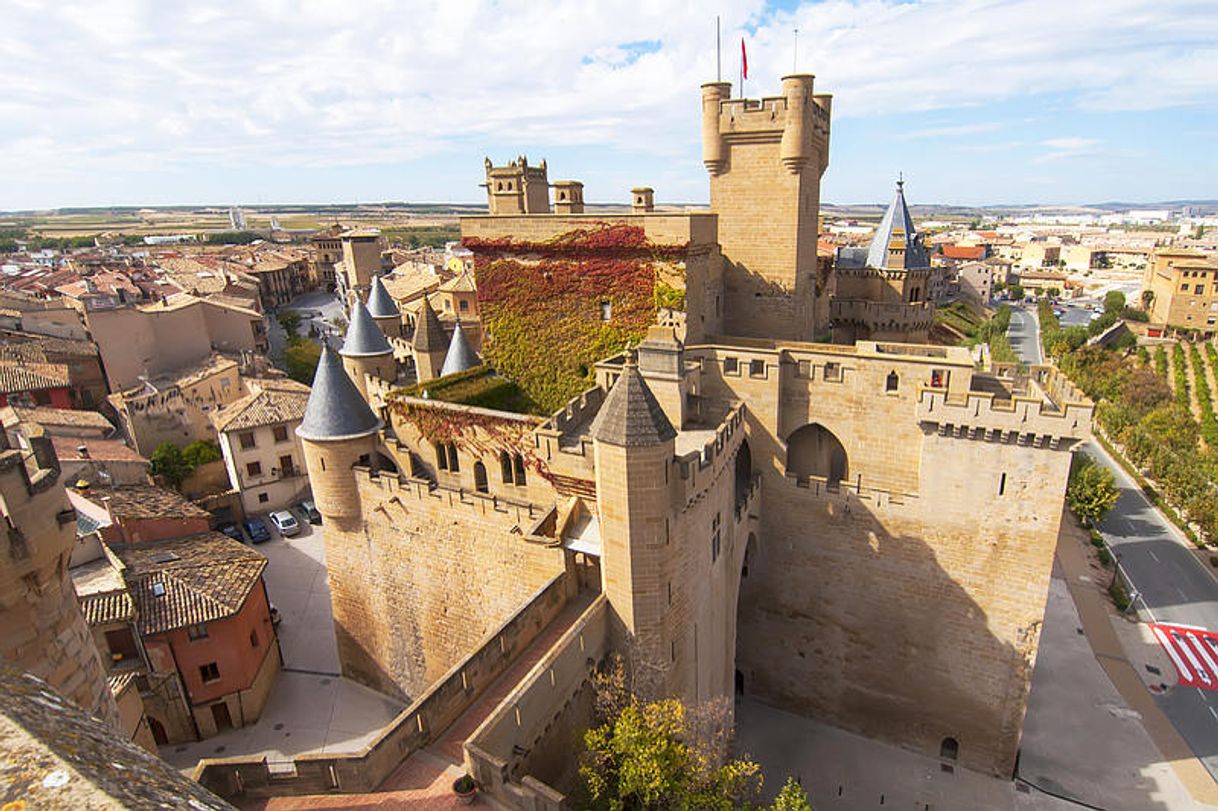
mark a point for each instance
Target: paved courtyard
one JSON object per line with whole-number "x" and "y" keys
{"x": 1081, "y": 741}
{"x": 311, "y": 709}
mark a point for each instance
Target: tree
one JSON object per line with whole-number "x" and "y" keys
{"x": 1016, "y": 291}
{"x": 201, "y": 452}
{"x": 300, "y": 360}
{"x": 167, "y": 462}
{"x": 1114, "y": 302}
{"x": 791, "y": 798}
{"x": 290, "y": 321}
{"x": 1148, "y": 298}
{"x": 1053, "y": 292}
{"x": 1092, "y": 490}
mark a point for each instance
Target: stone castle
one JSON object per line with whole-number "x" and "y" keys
{"x": 670, "y": 460}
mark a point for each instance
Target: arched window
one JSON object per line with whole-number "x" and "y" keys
{"x": 518, "y": 467}
{"x": 453, "y": 464}
{"x": 441, "y": 457}
{"x": 480, "y": 478}
{"x": 505, "y": 466}
{"x": 892, "y": 382}
{"x": 949, "y": 749}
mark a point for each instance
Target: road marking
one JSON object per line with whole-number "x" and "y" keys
{"x": 1193, "y": 651}
{"x": 1152, "y": 554}
{"x": 1180, "y": 591}
{"x": 1215, "y": 714}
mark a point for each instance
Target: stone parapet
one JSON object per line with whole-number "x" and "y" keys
{"x": 708, "y": 461}
{"x": 415, "y": 727}
{"x": 498, "y": 751}
{"x": 873, "y": 313}
{"x": 1021, "y": 419}
{"x": 683, "y": 230}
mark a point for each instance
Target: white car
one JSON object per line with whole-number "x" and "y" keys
{"x": 285, "y": 522}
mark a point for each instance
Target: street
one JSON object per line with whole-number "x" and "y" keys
{"x": 1172, "y": 585}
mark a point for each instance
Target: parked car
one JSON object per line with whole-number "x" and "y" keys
{"x": 231, "y": 530}
{"x": 256, "y": 529}
{"x": 309, "y": 510}
{"x": 285, "y": 522}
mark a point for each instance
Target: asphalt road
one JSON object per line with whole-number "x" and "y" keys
{"x": 1173, "y": 586}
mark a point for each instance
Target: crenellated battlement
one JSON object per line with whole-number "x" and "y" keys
{"x": 703, "y": 464}
{"x": 798, "y": 120}
{"x": 380, "y": 489}
{"x": 1020, "y": 419}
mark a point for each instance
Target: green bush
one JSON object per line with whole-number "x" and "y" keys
{"x": 1096, "y": 538}
{"x": 1120, "y": 598}
{"x": 1105, "y": 557}
{"x": 201, "y": 452}
{"x": 1214, "y": 560}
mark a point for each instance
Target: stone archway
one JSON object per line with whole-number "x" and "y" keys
{"x": 813, "y": 450}
{"x": 745, "y": 597}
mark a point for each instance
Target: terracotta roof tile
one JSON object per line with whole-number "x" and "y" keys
{"x": 51, "y": 417}
{"x": 67, "y": 448}
{"x": 145, "y": 501}
{"x": 271, "y": 406}
{"x": 17, "y": 376}
{"x": 202, "y": 578}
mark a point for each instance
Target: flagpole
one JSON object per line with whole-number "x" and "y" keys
{"x": 795, "y": 56}
{"x": 718, "y": 52}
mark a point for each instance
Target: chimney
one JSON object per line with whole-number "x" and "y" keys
{"x": 642, "y": 200}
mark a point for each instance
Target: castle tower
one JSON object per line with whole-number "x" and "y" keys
{"x": 366, "y": 351}
{"x": 765, "y": 160}
{"x": 430, "y": 343}
{"x": 897, "y": 246}
{"x": 41, "y": 628}
{"x": 568, "y": 197}
{"x": 633, "y": 443}
{"x": 384, "y": 310}
{"x": 460, "y": 356}
{"x": 338, "y": 429}
{"x": 517, "y": 188}
{"x": 361, "y": 260}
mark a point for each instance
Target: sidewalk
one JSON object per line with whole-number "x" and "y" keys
{"x": 1097, "y": 617}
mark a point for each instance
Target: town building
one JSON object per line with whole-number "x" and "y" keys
{"x": 138, "y": 343}
{"x": 262, "y": 451}
{"x": 186, "y": 626}
{"x": 975, "y": 281}
{"x": 177, "y": 407}
{"x": 35, "y": 384}
{"x": 662, "y": 464}
{"x": 86, "y": 381}
{"x": 1183, "y": 288}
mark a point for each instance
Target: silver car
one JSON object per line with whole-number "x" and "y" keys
{"x": 285, "y": 522}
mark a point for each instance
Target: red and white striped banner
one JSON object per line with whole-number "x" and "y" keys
{"x": 1194, "y": 652}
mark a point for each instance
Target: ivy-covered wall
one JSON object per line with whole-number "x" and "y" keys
{"x": 551, "y": 310}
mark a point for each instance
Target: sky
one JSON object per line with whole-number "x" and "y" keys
{"x": 977, "y": 102}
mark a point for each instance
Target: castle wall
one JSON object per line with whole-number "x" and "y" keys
{"x": 423, "y": 575}
{"x": 908, "y": 609}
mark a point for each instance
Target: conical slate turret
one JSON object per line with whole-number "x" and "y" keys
{"x": 364, "y": 337}
{"x": 380, "y": 303}
{"x": 631, "y": 416}
{"x": 335, "y": 410}
{"x": 429, "y": 332}
{"x": 460, "y": 356}
{"x": 897, "y": 230}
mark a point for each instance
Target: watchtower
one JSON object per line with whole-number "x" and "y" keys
{"x": 42, "y": 630}
{"x": 765, "y": 160}
{"x": 568, "y": 197}
{"x": 361, "y": 259}
{"x": 517, "y": 188}
{"x": 430, "y": 343}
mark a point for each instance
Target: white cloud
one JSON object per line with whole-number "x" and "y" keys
{"x": 114, "y": 85}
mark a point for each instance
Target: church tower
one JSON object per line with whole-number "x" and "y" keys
{"x": 765, "y": 160}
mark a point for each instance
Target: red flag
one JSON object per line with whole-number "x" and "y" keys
{"x": 744, "y": 60}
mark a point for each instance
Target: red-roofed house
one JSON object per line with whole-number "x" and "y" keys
{"x": 34, "y": 384}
